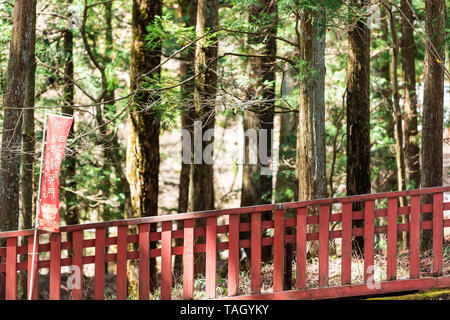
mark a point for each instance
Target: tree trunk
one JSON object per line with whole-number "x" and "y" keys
{"x": 143, "y": 144}
{"x": 28, "y": 157}
{"x": 433, "y": 103}
{"x": 408, "y": 52}
{"x": 259, "y": 118}
{"x": 202, "y": 191}
{"x": 21, "y": 57}
{"x": 69, "y": 167}
{"x": 311, "y": 156}
{"x": 188, "y": 12}
{"x": 358, "y": 114}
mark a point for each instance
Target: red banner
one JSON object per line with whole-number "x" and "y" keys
{"x": 58, "y": 128}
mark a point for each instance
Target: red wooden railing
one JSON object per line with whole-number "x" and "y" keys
{"x": 51, "y": 257}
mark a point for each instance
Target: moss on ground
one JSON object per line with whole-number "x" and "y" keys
{"x": 436, "y": 294}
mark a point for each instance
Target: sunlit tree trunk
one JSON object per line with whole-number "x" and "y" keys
{"x": 259, "y": 117}
{"x": 202, "y": 191}
{"x": 144, "y": 126}
{"x": 358, "y": 112}
{"x": 408, "y": 53}
{"x": 433, "y": 103}
{"x": 21, "y": 58}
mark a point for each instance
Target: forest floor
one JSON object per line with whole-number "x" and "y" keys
{"x": 312, "y": 273}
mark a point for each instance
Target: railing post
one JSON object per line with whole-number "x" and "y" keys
{"x": 391, "y": 271}
{"x": 188, "y": 259}
{"x": 346, "y": 258}
{"x": 233, "y": 255}
{"x": 166, "y": 260}
{"x": 144, "y": 261}
{"x": 11, "y": 268}
{"x": 278, "y": 250}
{"x": 324, "y": 230}
{"x": 255, "y": 252}
{"x": 414, "y": 238}
{"x": 437, "y": 233}
{"x": 369, "y": 233}
{"x": 99, "y": 285}
{"x": 300, "y": 281}
{"x": 34, "y": 294}
{"x": 77, "y": 262}
{"x": 211, "y": 244}
{"x": 55, "y": 266}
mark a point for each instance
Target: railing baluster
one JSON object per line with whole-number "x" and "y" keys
{"x": 166, "y": 260}
{"x": 324, "y": 229}
{"x": 99, "y": 285}
{"x": 233, "y": 255}
{"x": 414, "y": 238}
{"x": 77, "y": 262}
{"x": 300, "y": 281}
{"x": 346, "y": 258}
{"x": 392, "y": 239}
{"x": 144, "y": 261}
{"x": 369, "y": 232}
{"x": 188, "y": 260}
{"x": 278, "y": 251}
{"x": 255, "y": 252}
{"x": 122, "y": 245}
{"x": 211, "y": 243}
{"x": 55, "y": 266}
{"x": 11, "y": 268}
{"x": 34, "y": 295}
{"x": 437, "y": 233}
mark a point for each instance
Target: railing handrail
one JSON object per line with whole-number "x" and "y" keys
{"x": 231, "y": 211}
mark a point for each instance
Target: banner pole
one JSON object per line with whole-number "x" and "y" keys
{"x": 36, "y": 223}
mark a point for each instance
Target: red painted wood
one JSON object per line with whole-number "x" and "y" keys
{"x": 144, "y": 261}
{"x": 255, "y": 252}
{"x": 354, "y": 290}
{"x": 233, "y": 256}
{"x": 211, "y": 243}
{"x": 188, "y": 260}
{"x": 369, "y": 230}
{"x": 11, "y": 269}
{"x": 323, "y": 244}
{"x": 122, "y": 249}
{"x": 278, "y": 250}
{"x": 414, "y": 238}
{"x": 300, "y": 281}
{"x": 34, "y": 295}
{"x": 99, "y": 285}
{"x": 391, "y": 270}
{"x": 346, "y": 258}
{"x": 437, "y": 233}
{"x": 77, "y": 262}
{"x": 166, "y": 260}
{"x": 55, "y": 266}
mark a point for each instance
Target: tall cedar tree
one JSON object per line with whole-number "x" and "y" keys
{"x": 21, "y": 57}
{"x": 408, "y": 53}
{"x": 143, "y": 144}
{"x": 256, "y": 183}
{"x": 71, "y": 213}
{"x": 202, "y": 191}
{"x": 433, "y": 102}
{"x": 358, "y": 110}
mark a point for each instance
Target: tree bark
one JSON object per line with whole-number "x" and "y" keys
{"x": 358, "y": 113}
{"x": 433, "y": 103}
{"x": 408, "y": 53}
{"x": 259, "y": 118}
{"x": 21, "y": 57}
{"x": 188, "y": 12}
{"x": 69, "y": 167}
{"x": 202, "y": 190}
{"x": 143, "y": 144}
